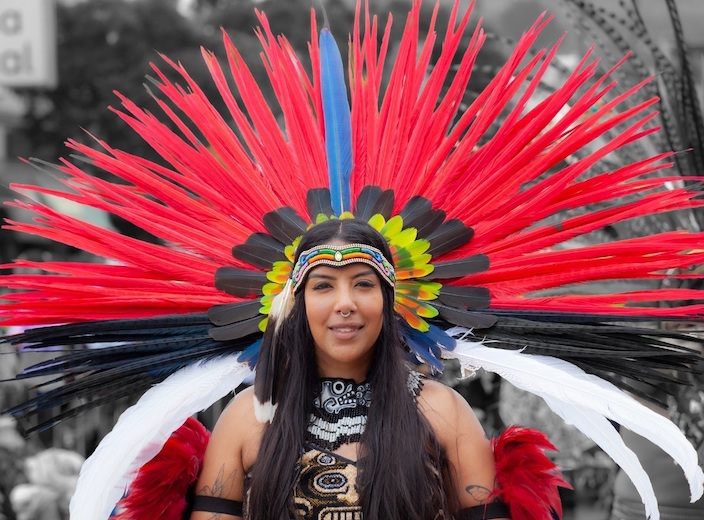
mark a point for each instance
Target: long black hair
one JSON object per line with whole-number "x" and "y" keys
{"x": 402, "y": 470}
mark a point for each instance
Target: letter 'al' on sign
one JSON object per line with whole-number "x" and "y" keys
{"x": 28, "y": 43}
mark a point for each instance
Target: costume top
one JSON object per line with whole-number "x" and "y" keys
{"x": 326, "y": 487}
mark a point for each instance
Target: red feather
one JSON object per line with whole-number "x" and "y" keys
{"x": 215, "y": 184}
{"x": 160, "y": 488}
{"x": 527, "y": 479}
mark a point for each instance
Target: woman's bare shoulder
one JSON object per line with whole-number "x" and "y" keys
{"x": 448, "y": 412}
{"x": 438, "y": 398}
{"x": 240, "y": 410}
{"x": 436, "y": 393}
{"x": 238, "y": 429}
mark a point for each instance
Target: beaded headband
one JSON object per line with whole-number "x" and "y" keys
{"x": 339, "y": 256}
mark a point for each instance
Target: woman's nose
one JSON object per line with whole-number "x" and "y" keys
{"x": 345, "y": 300}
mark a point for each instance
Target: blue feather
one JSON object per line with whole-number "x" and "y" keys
{"x": 338, "y": 125}
{"x": 250, "y": 355}
{"x": 441, "y": 337}
{"x": 425, "y": 348}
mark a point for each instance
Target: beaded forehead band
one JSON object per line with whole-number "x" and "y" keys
{"x": 339, "y": 256}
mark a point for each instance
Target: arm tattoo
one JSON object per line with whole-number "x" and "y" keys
{"x": 478, "y": 493}
{"x": 220, "y": 488}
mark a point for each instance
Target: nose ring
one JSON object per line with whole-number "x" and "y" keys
{"x": 345, "y": 314}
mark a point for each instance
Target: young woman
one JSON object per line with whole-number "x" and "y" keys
{"x": 398, "y": 445}
{"x": 482, "y": 221}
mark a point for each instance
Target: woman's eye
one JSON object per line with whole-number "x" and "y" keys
{"x": 321, "y": 285}
{"x": 365, "y": 283}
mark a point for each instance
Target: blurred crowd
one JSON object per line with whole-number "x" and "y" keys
{"x": 34, "y": 484}
{"x": 37, "y": 479}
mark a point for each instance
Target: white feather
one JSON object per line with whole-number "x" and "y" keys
{"x": 281, "y": 305}
{"x": 264, "y": 412}
{"x": 605, "y": 435}
{"x": 579, "y": 398}
{"x": 143, "y": 429}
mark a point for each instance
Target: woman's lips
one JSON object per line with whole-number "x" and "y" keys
{"x": 346, "y": 331}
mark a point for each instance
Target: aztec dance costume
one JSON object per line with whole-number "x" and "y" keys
{"x": 484, "y": 223}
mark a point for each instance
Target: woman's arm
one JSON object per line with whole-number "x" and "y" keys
{"x": 468, "y": 450}
{"x": 231, "y": 452}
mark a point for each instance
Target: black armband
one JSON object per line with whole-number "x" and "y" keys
{"x": 217, "y": 505}
{"x": 484, "y": 512}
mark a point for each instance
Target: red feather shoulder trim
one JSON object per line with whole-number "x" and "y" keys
{"x": 527, "y": 480}
{"x": 159, "y": 491}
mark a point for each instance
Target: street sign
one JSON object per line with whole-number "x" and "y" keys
{"x": 28, "y": 43}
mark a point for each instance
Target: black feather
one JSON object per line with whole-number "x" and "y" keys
{"x": 623, "y": 331}
{"x": 91, "y": 331}
{"x": 625, "y": 355}
{"x": 416, "y": 208}
{"x": 242, "y": 283}
{"x": 236, "y": 330}
{"x": 102, "y": 361}
{"x": 284, "y": 224}
{"x": 139, "y": 352}
{"x": 373, "y": 200}
{"x": 32, "y": 407}
{"x": 594, "y": 340}
{"x": 596, "y": 319}
{"x": 418, "y": 213}
{"x": 71, "y": 412}
{"x": 260, "y": 250}
{"x": 464, "y": 297}
{"x": 433, "y": 221}
{"x": 459, "y": 268}
{"x": 469, "y": 319}
{"x": 450, "y": 235}
{"x": 318, "y": 201}
{"x": 228, "y": 313}
{"x": 98, "y": 375}
{"x": 568, "y": 346}
{"x": 90, "y": 360}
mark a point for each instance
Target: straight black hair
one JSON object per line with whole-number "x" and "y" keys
{"x": 402, "y": 470}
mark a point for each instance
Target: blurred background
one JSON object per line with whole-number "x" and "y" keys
{"x": 61, "y": 62}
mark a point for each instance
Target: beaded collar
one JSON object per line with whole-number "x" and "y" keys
{"x": 340, "y": 410}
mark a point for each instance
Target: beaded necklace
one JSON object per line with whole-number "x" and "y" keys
{"x": 340, "y": 411}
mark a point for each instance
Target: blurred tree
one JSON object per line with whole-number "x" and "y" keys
{"x": 104, "y": 46}
{"x": 289, "y": 17}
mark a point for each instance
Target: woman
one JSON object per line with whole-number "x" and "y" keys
{"x": 421, "y": 453}
{"x": 481, "y": 221}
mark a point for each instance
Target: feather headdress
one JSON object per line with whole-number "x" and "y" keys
{"x": 483, "y": 221}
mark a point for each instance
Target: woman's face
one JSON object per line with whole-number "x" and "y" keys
{"x": 344, "y": 307}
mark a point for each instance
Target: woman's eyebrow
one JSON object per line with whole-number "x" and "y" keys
{"x": 319, "y": 275}
{"x": 364, "y": 273}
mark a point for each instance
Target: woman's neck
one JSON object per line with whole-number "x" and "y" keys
{"x": 358, "y": 376}
{"x": 356, "y": 371}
